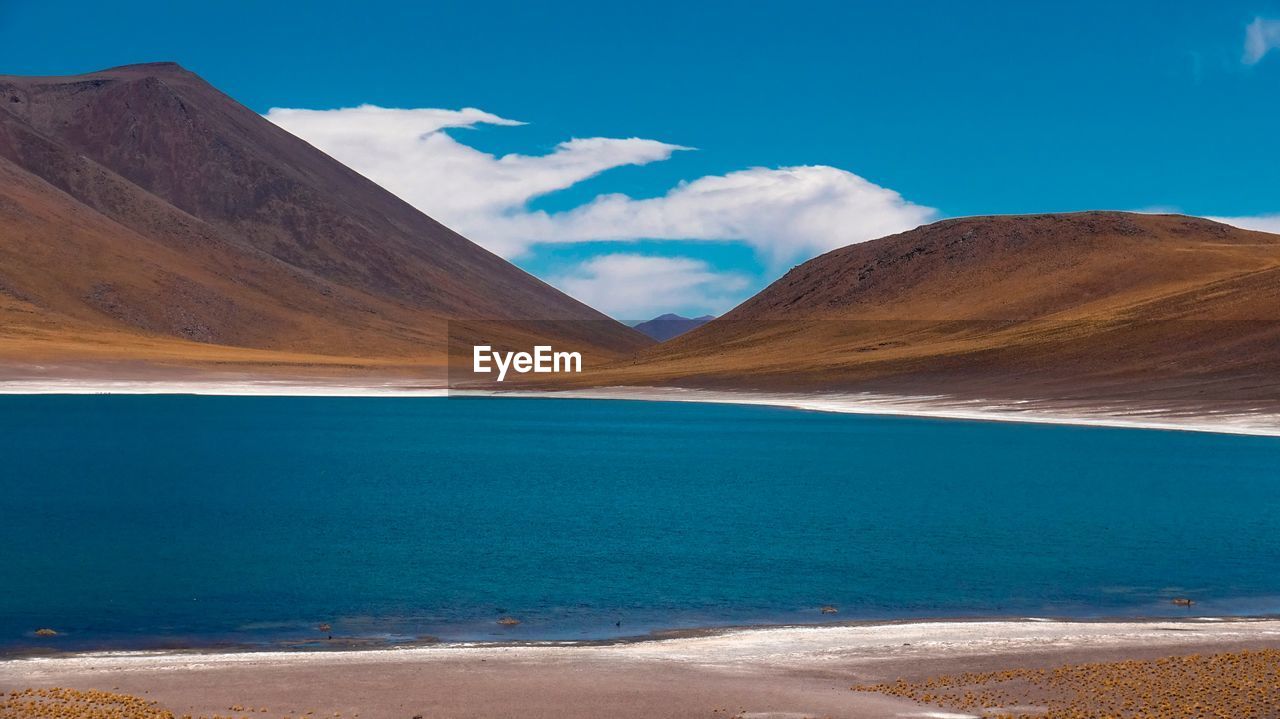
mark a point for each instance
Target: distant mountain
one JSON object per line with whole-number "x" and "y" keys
{"x": 146, "y": 216}
{"x": 1077, "y": 306}
{"x": 665, "y": 327}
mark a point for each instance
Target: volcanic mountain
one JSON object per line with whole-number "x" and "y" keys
{"x": 667, "y": 326}
{"x": 1093, "y": 306}
{"x": 146, "y": 216}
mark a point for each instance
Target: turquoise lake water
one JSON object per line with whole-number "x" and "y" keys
{"x": 179, "y": 520}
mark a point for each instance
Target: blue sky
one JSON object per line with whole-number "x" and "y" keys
{"x": 922, "y": 110}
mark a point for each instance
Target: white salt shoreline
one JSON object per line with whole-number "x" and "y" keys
{"x": 242, "y": 388}
{"x": 941, "y": 407}
{"x": 788, "y": 646}
{"x": 933, "y": 407}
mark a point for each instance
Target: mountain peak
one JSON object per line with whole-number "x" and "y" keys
{"x": 670, "y": 325}
{"x": 199, "y": 219}
{"x": 164, "y": 66}
{"x": 136, "y": 71}
{"x": 1105, "y": 304}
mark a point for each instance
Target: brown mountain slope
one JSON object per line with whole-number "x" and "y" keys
{"x": 143, "y": 208}
{"x": 1090, "y": 305}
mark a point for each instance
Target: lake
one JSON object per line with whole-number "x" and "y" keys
{"x": 153, "y": 521}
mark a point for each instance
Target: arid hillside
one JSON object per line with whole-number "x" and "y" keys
{"x": 145, "y": 216}
{"x": 1095, "y": 305}
{"x": 147, "y": 219}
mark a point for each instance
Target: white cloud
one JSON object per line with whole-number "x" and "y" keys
{"x": 408, "y": 153}
{"x": 638, "y": 287}
{"x": 1262, "y": 223}
{"x": 786, "y": 214}
{"x": 1260, "y": 37}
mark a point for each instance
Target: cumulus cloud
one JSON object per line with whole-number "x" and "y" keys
{"x": 409, "y": 153}
{"x": 1262, "y": 223}
{"x": 786, "y": 214}
{"x": 638, "y": 287}
{"x": 1260, "y": 37}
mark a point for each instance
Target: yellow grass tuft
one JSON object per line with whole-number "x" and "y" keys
{"x": 1234, "y": 685}
{"x": 63, "y": 703}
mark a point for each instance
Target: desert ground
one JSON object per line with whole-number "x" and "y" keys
{"x": 856, "y": 670}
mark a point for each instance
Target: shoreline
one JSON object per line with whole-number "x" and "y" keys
{"x": 961, "y": 626}
{"x": 1206, "y": 420}
{"x": 240, "y": 388}
{"x": 774, "y": 673}
{"x": 938, "y": 407}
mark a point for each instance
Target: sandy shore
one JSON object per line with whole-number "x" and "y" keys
{"x": 1193, "y": 419}
{"x": 774, "y": 672}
